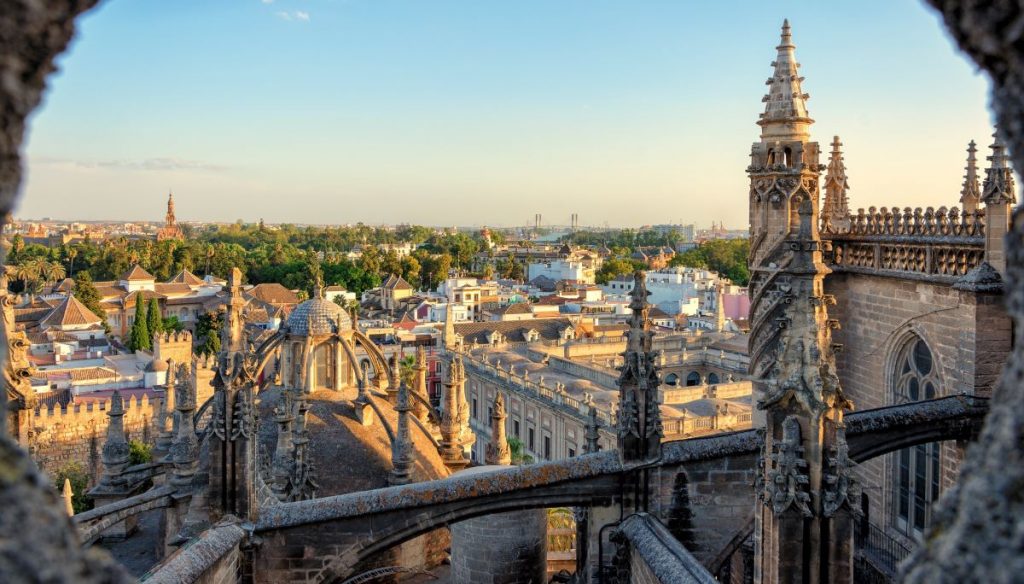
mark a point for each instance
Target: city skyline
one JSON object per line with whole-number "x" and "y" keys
{"x": 345, "y": 112}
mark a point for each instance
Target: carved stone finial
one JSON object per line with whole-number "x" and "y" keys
{"x": 401, "y": 447}
{"x": 593, "y": 434}
{"x": 999, "y": 186}
{"x": 835, "y": 209}
{"x": 639, "y": 427}
{"x": 498, "y": 451}
{"x": 67, "y": 495}
{"x": 970, "y": 195}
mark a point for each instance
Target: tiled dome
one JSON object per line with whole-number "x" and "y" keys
{"x": 318, "y": 316}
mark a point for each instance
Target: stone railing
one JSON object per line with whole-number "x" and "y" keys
{"x": 930, "y": 244}
{"x": 91, "y": 524}
{"x": 558, "y": 399}
{"x": 215, "y": 556}
{"x": 674, "y": 427}
{"x": 648, "y": 554}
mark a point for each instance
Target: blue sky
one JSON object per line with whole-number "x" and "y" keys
{"x": 469, "y": 113}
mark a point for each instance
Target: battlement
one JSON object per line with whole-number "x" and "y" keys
{"x": 173, "y": 345}
{"x": 82, "y": 414}
{"x": 172, "y": 337}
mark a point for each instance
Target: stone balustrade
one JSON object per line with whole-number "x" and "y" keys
{"x": 935, "y": 244}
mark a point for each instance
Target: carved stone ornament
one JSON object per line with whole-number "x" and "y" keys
{"x": 787, "y": 481}
{"x": 243, "y": 422}
{"x": 840, "y": 487}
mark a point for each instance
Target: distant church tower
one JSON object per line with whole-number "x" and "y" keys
{"x": 170, "y": 230}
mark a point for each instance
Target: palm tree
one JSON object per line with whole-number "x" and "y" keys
{"x": 52, "y": 271}
{"x": 72, "y": 254}
{"x": 28, "y": 273}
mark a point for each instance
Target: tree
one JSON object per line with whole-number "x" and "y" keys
{"x": 139, "y": 337}
{"x": 86, "y": 293}
{"x": 154, "y": 321}
{"x": 79, "y": 479}
{"x": 208, "y": 327}
{"x": 519, "y": 456}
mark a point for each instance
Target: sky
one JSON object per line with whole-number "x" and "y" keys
{"x": 455, "y": 112}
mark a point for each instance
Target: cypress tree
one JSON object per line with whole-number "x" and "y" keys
{"x": 154, "y": 321}
{"x": 140, "y": 329}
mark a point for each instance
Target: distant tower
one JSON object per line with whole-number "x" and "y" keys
{"x": 170, "y": 230}
{"x": 970, "y": 195}
{"x": 835, "y": 209}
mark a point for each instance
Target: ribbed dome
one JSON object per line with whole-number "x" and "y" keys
{"x": 318, "y": 316}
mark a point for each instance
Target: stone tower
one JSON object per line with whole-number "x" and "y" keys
{"x": 803, "y": 529}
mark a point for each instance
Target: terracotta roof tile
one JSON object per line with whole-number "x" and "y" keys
{"x": 71, "y": 312}
{"x": 136, "y": 274}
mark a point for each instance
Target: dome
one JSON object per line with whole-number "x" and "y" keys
{"x": 156, "y": 365}
{"x": 318, "y": 316}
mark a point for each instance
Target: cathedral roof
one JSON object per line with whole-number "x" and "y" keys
{"x": 318, "y": 316}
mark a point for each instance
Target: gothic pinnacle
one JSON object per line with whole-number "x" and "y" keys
{"x": 785, "y": 114}
{"x": 970, "y": 195}
{"x": 999, "y": 184}
{"x": 835, "y": 209}
{"x": 498, "y": 451}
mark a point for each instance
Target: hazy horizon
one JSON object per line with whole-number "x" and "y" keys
{"x": 451, "y": 113}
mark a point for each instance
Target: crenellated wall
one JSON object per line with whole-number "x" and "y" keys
{"x": 58, "y": 436}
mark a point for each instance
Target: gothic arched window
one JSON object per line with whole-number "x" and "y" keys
{"x": 712, "y": 378}
{"x": 917, "y": 469}
{"x": 693, "y": 379}
{"x": 672, "y": 379}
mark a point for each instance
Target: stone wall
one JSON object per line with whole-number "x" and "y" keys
{"x": 719, "y": 495}
{"x": 969, "y": 336}
{"x": 503, "y": 548}
{"x": 57, "y": 437}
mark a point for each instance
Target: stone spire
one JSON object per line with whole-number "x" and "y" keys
{"x": 166, "y": 420}
{"x": 719, "y": 307}
{"x": 185, "y": 449}
{"x": 115, "y": 449}
{"x": 785, "y": 112}
{"x": 592, "y": 434}
{"x": 999, "y": 185}
{"x": 419, "y": 405}
{"x": 304, "y": 480}
{"x": 401, "y": 446}
{"x": 835, "y": 209}
{"x": 498, "y": 451}
{"x": 453, "y": 417}
{"x": 998, "y": 192}
{"x": 66, "y": 494}
{"x": 235, "y": 419}
{"x": 448, "y": 334}
{"x": 283, "y": 459}
{"x": 970, "y": 195}
{"x": 640, "y": 429}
